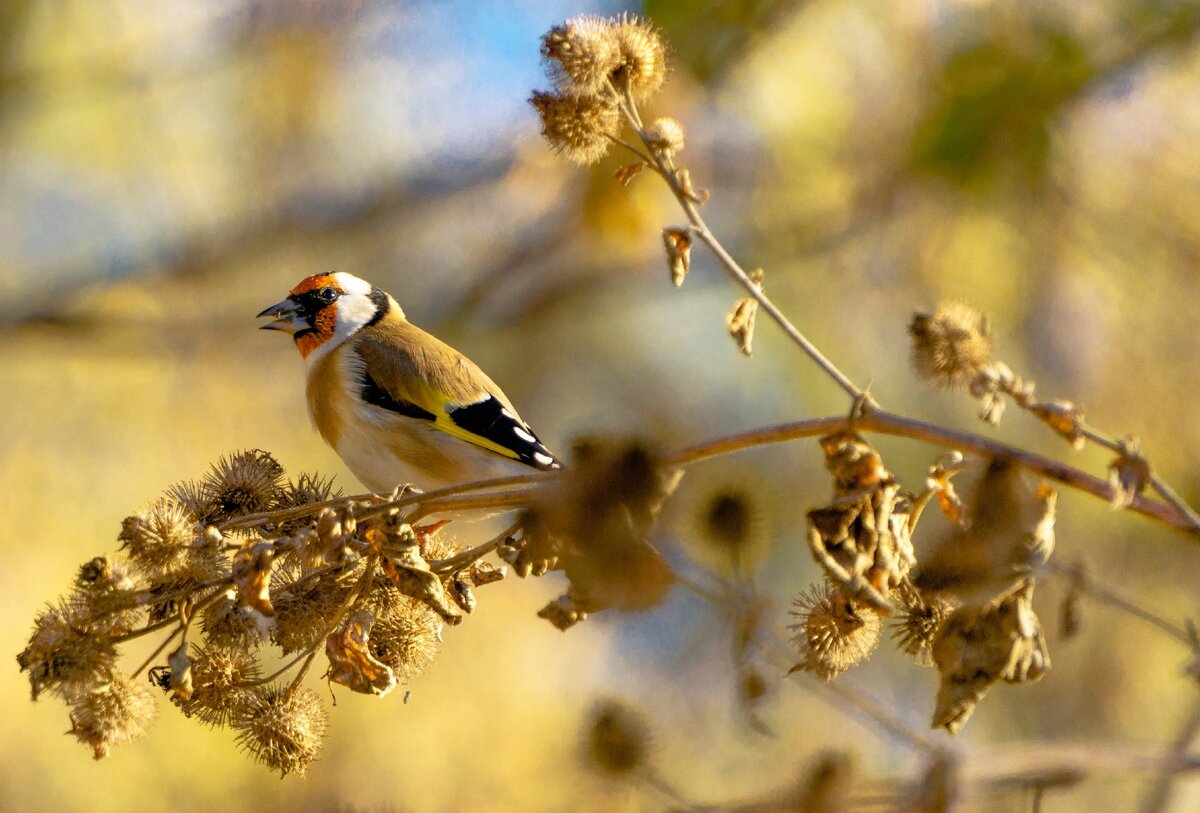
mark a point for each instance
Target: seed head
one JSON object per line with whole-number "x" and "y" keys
{"x": 577, "y": 127}
{"x": 217, "y": 672}
{"x": 826, "y": 786}
{"x": 63, "y": 655}
{"x": 106, "y": 597}
{"x": 244, "y": 483}
{"x": 160, "y": 540}
{"x": 951, "y": 346}
{"x": 833, "y": 632}
{"x": 582, "y": 54}
{"x": 666, "y": 136}
{"x": 282, "y": 728}
{"x": 406, "y": 635}
{"x": 305, "y": 490}
{"x": 228, "y": 624}
{"x": 115, "y": 712}
{"x": 643, "y": 57}
{"x": 617, "y": 740}
{"x": 594, "y": 521}
{"x": 301, "y": 616}
{"x": 916, "y": 626}
{"x": 728, "y": 522}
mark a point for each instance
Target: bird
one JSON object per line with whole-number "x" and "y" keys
{"x": 399, "y": 406}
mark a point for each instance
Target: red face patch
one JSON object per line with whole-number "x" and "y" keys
{"x": 312, "y": 283}
{"x": 323, "y": 324}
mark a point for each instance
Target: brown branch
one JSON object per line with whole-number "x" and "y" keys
{"x": 887, "y": 423}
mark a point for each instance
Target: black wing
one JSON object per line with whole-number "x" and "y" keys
{"x": 490, "y": 419}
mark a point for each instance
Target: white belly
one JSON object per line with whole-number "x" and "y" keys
{"x": 386, "y": 450}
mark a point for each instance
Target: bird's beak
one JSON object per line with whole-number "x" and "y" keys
{"x": 289, "y": 317}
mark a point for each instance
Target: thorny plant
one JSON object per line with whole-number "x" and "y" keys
{"x": 245, "y": 557}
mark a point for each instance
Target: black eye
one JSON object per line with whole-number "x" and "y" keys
{"x": 327, "y": 294}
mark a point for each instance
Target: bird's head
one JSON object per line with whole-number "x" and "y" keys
{"x": 326, "y": 309}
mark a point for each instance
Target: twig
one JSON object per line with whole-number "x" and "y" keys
{"x": 457, "y": 562}
{"x": 158, "y": 651}
{"x": 664, "y": 168}
{"x": 887, "y": 423}
{"x": 1115, "y": 598}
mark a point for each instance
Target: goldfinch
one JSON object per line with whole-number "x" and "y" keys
{"x": 398, "y": 405}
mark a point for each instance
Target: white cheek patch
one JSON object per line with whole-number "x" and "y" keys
{"x": 353, "y": 311}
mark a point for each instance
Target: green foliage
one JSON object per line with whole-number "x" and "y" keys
{"x": 994, "y": 107}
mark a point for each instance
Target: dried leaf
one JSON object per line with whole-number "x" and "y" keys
{"x": 180, "y": 681}
{"x": 460, "y": 591}
{"x": 335, "y": 533}
{"x": 1064, "y": 418}
{"x": 740, "y": 319}
{"x": 564, "y": 612}
{"x": 628, "y": 172}
{"x": 350, "y": 660}
{"x": 938, "y": 481}
{"x": 252, "y": 576}
{"x": 483, "y": 572}
{"x": 684, "y": 179}
{"x": 410, "y": 574}
{"x": 979, "y": 646}
{"x": 1129, "y": 474}
{"x": 678, "y": 243}
{"x": 1010, "y": 533}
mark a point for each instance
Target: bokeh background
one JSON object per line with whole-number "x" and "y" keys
{"x": 168, "y": 169}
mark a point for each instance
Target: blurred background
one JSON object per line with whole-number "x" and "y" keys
{"x": 168, "y": 169}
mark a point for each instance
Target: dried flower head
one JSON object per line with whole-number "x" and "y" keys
{"x": 979, "y": 646}
{"x": 951, "y": 346}
{"x": 301, "y": 615}
{"x": 726, "y": 524}
{"x": 160, "y": 541}
{"x": 597, "y": 518}
{"x": 833, "y": 631}
{"x": 243, "y": 483}
{"x": 65, "y": 655}
{"x": 106, "y": 596}
{"x": 740, "y": 319}
{"x": 863, "y": 538}
{"x": 665, "y": 136}
{"x": 918, "y": 623}
{"x": 826, "y": 785}
{"x": 582, "y": 54}
{"x": 115, "y": 712}
{"x": 731, "y": 519}
{"x": 304, "y": 490}
{"x": 227, "y": 623}
{"x": 406, "y": 634}
{"x": 252, "y": 576}
{"x": 617, "y": 740}
{"x": 643, "y": 57}
{"x": 577, "y": 127}
{"x": 218, "y": 672}
{"x": 282, "y": 728}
